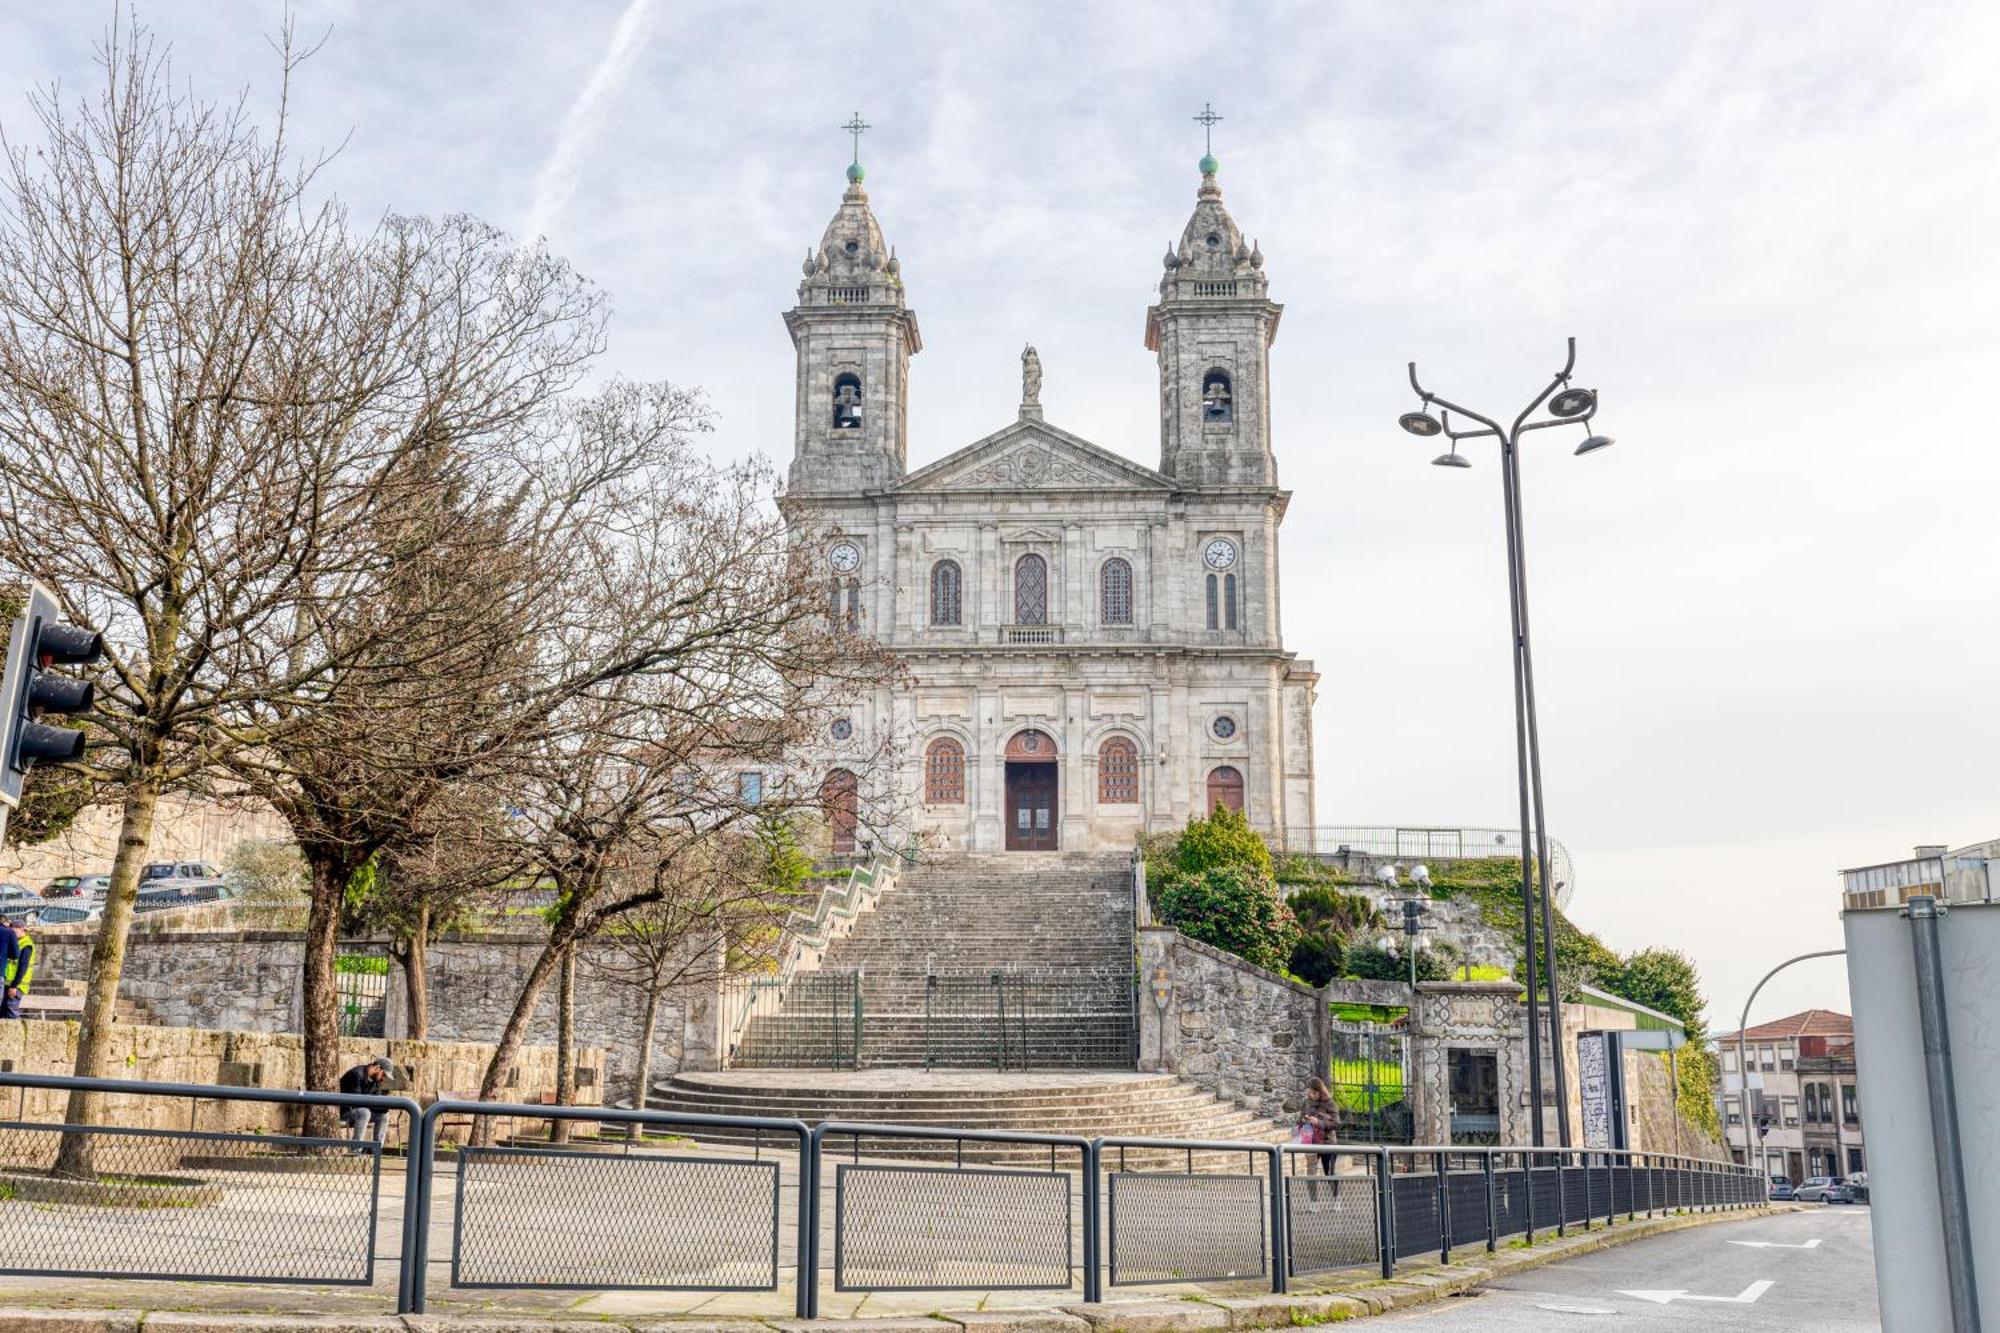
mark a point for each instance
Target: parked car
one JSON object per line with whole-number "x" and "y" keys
{"x": 1857, "y": 1184}
{"x": 78, "y": 886}
{"x": 1840, "y": 1191}
{"x": 175, "y": 874}
{"x": 1815, "y": 1188}
{"x": 18, "y": 900}
{"x": 1781, "y": 1189}
{"x": 69, "y": 911}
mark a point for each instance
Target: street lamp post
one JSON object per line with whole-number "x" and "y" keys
{"x": 1567, "y": 406}
{"x": 1743, "y": 1057}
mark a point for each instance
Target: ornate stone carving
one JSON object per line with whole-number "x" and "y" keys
{"x": 1032, "y": 467}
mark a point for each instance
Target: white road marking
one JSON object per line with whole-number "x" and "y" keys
{"x": 1812, "y": 1244}
{"x": 1748, "y": 1297}
{"x": 1578, "y": 1309}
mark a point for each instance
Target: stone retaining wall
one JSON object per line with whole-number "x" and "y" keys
{"x": 250, "y": 981}
{"x": 1228, "y": 1026}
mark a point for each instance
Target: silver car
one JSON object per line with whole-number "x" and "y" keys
{"x": 1816, "y": 1188}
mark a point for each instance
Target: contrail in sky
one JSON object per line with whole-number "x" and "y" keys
{"x": 558, "y": 178}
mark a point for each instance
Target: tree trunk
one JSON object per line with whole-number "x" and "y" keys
{"x": 107, "y": 965}
{"x": 559, "y": 1130}
{"x": 642, "y": 1077}
{"x": 508, "y": 1049}
{"x": 416, "y": 982}
{"x": 321, "y": 1020}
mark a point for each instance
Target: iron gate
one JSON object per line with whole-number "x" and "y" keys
{"x": 1369, "y": 1077}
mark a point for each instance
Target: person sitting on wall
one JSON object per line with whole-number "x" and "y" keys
{"x": 17, "y": 962}
{"x": 373, "y": 1078}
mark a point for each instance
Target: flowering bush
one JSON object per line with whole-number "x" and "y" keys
{"x": 1236, "y": 908}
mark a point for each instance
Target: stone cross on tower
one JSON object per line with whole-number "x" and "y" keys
{"x": 1207, "y": 120}
{"x": 857, "y": 127}
{"x": 1031, "y": 382}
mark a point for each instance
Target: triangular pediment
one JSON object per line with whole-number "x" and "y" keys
{"x": 1032, "y": 455}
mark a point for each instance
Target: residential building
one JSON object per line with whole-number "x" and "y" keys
{"x": 1803, "y": 1115}
{"x": 1962, "y": 876}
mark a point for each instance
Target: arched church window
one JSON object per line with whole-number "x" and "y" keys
{"x": 1031, "y": 590}
{"x": 944, "y": 772}
{"x": 1225, "y": 789}
{"x": 846, "y": 402}
{"x": 1218, "y": 402}
{"x": 840, "y": 800}
{"x": 1229, "y": 601}
{"x": 947, "y": 598}
{"x": 1118, "y": 772}
{"x": 1115, "y": 589}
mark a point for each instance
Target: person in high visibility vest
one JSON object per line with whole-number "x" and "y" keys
{"x": 19, "y": 964}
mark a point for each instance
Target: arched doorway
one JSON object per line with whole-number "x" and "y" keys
{"x": 1030, "y": 808}
{"x": 839, "y": 797}
{"x": 1225, "y": 788}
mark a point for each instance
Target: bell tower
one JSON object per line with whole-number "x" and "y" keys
{"x": 1212, "y": 332}
{"x": 854, "y": 339}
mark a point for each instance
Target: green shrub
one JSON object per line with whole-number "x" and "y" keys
{"x": 1233, "y": 907}
{"x": 1224, "y": 838}
{"x": 1372, "y": 962}
{"x": 1318, "y": 957}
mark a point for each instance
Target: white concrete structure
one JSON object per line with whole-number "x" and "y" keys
{"x": 1094, "y": 644}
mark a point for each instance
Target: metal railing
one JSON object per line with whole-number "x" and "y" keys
{"x": 812, "y": 1021}
{"x": 1417, "y": 842}
{"x": 636, "y": 1211}
{"x": 1029, "y": 1020}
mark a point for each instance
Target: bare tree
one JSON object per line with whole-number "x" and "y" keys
{"x": 208, "y": 401}
{"x": 640, "y": 767}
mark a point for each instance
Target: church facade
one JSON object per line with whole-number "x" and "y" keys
{"x": 1092, "y": 645}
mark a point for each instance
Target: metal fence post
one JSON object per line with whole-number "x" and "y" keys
{"x": 1528, "y": 1190}
{"x": 1439, "y": 1162}
{"x": 1280, "y": 1246}
{"x": 809, "y": 1167}
{"x": 1385, "y": 1210}
{"x": 1492, "y": 1205}
{"x": 1093, "y": 1234}
{"x": 1562, "y": 1196}
{"x": 416, "y": 1238}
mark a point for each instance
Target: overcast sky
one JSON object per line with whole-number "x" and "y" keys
{"x": 1767, "y": 623}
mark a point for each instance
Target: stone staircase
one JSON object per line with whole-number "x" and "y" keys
{"x": 1017, "y": 960}
{"x": 1084, "y": 1104}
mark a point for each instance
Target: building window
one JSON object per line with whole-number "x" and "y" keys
{"x": 1225, "y": 789}
{"x": 1031, "y": 590}
{"x": 1785, "y": 1054}
{"x": 1213, "y": 621}
{"x": 1224, "y": 727}
{"x": 1222, "y": 601}
{"x": 842, "y": 728}
{"x": 843, "y": 603}
{"x": 1118, "y": 772}
{"x": 1812, "y": 1103}
{"x": 852, "y": 619}
{"x": 750, "y": 788}
{"x": 1218, "y": 404}
{"x": 1850, "y": 1106}
{"x": 839, "y": 799}
{"x": 944, "y": 772}
{"x": 847, "y": 402}
{"x": 1856, "y": 1163}
{"x": 947, "y": 600}
{"x": 1790, "y": 1109}
{"x": 1229, "y": 601}
{"x": 1115, "y": 589}
{"x": 1733, "y": 1109}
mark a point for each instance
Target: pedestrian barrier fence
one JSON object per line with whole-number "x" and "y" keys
{"x": 620, "y": 1200}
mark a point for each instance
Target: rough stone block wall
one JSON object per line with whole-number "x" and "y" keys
{"x": 249, "y": 981}
{"x": 1227, "y": 1026}
{"x": 240, "y": 1059}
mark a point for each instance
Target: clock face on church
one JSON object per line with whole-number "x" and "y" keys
{"x": 1221, "y": 553}
{"x": 845, "y": 556}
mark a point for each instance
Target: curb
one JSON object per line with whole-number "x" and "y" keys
{"x": 1188, "y": 1314}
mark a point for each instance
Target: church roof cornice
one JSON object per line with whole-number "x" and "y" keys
{"x": 1031, "y": 454}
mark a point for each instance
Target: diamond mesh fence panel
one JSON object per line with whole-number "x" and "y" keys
{"x": 184, "y": 1204}
{"x": 1416, "y": 1200}
{"x": 904, "y": 1228}
{"x": 1186, "y": 1228}
{"x": 1331, "y": 1222}
{"x": 602, "y": 1220}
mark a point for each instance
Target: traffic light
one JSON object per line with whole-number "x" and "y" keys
{"x": 29, "y": 689}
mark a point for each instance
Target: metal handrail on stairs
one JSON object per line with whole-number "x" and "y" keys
{"x": 807, "y": 935}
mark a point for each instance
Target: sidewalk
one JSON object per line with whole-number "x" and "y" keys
{"x": 65, "y": 1305}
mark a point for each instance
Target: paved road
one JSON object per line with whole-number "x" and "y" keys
{"x": 1827, "y": 1288}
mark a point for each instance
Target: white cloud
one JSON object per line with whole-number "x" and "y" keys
{"x": 585, "y": 118}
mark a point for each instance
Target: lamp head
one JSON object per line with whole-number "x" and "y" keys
{"x": 1594, "y": 443}
{"x": 1421, "y": 424}
{"x": 1453, "y": 459}
{"x": 1573, "y": 403}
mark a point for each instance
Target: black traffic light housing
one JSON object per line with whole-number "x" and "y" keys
{"x": 29, "y": 689}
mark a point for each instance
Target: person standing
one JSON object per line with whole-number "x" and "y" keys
{"x": 17, "y": 964}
